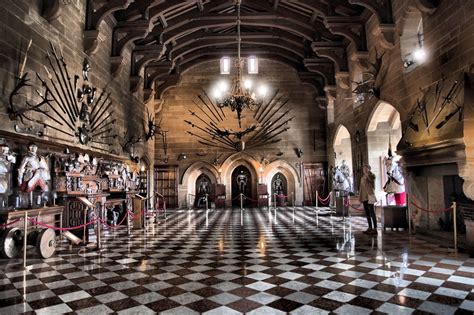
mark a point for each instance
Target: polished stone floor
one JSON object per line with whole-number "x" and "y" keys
{"x": 252, "y": 261}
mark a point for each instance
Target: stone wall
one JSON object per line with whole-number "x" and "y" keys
{"x": 307, "y": 129}
{"x": 449, "y": 42}
{"x": 21, "y": 21}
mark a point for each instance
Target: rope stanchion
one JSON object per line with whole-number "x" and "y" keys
{"x": 118, "y": 224}
{"x": 431, "y": 211}
{"x": 59, "y": 228}
{"x": 11, "y": 223}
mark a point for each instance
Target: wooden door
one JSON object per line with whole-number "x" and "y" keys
{"x": 314, "y": 178}
{"x": 166, "y": 185}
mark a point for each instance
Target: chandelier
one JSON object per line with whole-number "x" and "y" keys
{"x": 240, "y": 96}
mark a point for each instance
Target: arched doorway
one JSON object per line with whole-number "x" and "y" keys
{"x": 203, "y": 187}
{"x": 241, "y": 183}
{"x": 343, "y": 152}
{"x": 280, "y": 188}
{"x": 383, "y": 131}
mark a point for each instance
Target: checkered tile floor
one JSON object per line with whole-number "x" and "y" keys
{"x": 232, "y": 262}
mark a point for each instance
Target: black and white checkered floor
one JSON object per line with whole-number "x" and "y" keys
{"x": 232, "y": 262}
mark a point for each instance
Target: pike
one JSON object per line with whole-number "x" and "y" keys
{"x": 204, "y": 139}
{"x": 214, "y": 104}
{"x": 112, "y": 122}
{"x": 203, "y": 130}
{"x": 212, "y": 145}
{"x": 206, "y": 123}
{"x": 101, "y": 133}
{"x": 62, "y": 104}
{"x": 258, "y": 113}
{"x": 97, "y": 103}
{"x": 100, "y": 142}
{"x": 273, "y": 114}
{"x": 268, "y": 137}
{"x": 72, "y": 105}
{"x": 46, "y": 125}
{"x": 65, "y": 102}
{"x": 270, "y": 123}
{"x": 212, "y": 112}
{"x": 212, "y": 120}
{"x": 447, "y": 100}
{"x": 71, "y": 91}
{"x": 269, "y": 131}
{"x": 264, "y": 117}
{"x": 99, "y": 107}
{"x": 106, "y": 117}
{"x": 99, "y": 116}
{"x": 263, "y": 143}
{"x": 108, "y": 136}
{"x": 50, "y": 106}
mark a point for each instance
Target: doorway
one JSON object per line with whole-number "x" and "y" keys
{"x": 241, "y": 183}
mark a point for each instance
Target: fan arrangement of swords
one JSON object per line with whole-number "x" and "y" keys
{"x": 71, "y": 108}
{"x": 271, "y": 120}
{"x": 442, "y": 96}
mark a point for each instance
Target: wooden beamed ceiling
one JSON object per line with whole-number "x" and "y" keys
{"x": 169, "y": 36}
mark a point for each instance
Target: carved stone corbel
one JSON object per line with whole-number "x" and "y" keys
{"x": 135, "y": 82}
{"x": 387, "y": 34}
{"x": 360, "y": 60}
{"x": 92, "y": 38}
{"x": 116, "y": 64}
{"x": 343, "y": 80}
{"x": 333, "y": 51}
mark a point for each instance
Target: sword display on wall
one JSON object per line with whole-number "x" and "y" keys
{"x": 271, "y": 120}
{"x": 69, "y": 109}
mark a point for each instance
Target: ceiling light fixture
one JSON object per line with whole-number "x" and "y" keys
{"x": 240, "y": 96}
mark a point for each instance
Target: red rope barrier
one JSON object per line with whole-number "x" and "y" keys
{"x": 117, "y": 225}
{"x": 61, "y": 229}
{"x": 324, "y": 199}
{"x": 11, "y": 223}
{"x": 431, "y": 211}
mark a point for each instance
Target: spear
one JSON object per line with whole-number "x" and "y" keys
{"x": 22, "y": 68}
{"x": 112, "y": 122}
{"x": 212, "y": 120}
{"x": 99, "y": 107}
{"x": 99, "y": 116}
{"x": 214, "y": 104}
{"x": 46, "y": 125}
{"x": 69, "y": 85}
{"x": 93, "y": 127}
{"x": 257, "y": 113}
{"x": 212, "y": 112}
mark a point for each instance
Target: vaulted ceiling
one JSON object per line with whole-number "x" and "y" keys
{"x": 169, "y": 36}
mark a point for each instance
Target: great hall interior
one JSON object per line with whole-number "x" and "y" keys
{"x": 237, "y": 156}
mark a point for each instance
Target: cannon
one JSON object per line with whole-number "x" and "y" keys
{"x": 11, "y": 242}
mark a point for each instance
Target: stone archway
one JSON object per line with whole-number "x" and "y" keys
{"x": 294, "y": 188}
{"x": 187, "y": 187}
{"x": 343, "y": 150}
{"x": 383, "y": 130}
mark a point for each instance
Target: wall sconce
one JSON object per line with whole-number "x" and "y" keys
{"x": 182, "y": 156}
{"x": 299, "y": 152}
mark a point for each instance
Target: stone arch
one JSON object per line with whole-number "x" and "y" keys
{"x": 230, "y": 164}
{"x": 187, "y": 185}
{"x": 342, "y": 147}
{"x": 293, "y": 179}
{"x": 383, "y": 126}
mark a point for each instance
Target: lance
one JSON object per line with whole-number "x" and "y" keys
{"x": 71, "y": 103}
{"x": 61, "y": 103}
{"x": 268, "y": 108}
{"x": 263, "y": 143}
{"x": 99, "y": 116}
{"x": 203, "y": 130}
{"x": 213, "y": 138}
{"x": 112, "y": 122}
{"x": 264, "y": 117}
{"x": 46, "y": 125}
{"x": 101, "y": 133}
{"x": 447, "y": 100}
{"x": 194, "y": 114}
{"x": 99, "y": 107}
{"x": 60, "y": 92}
{"x": 218, "y": 117}
{"x": 269, "y": 131}
{"x": 93, "y": 127}
{"x": 215, "y": 106}
{"x": 204, "y": 139}
{"x": 212, "y": 120}
{"x": 265, "y": 106}
{"x": 50, "y": 106}
{"x": 276, "y": 111}
{"x": 48, "y": 90}
{"x": 270, "y": 123}
{"x": 266, "y": 138}
{"x": 213, "y": 145}
{"x": 69, "y": 85}
{"x": 97, "y": 103}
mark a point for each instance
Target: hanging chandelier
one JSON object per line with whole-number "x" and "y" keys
{"x": 240, "y": 96}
